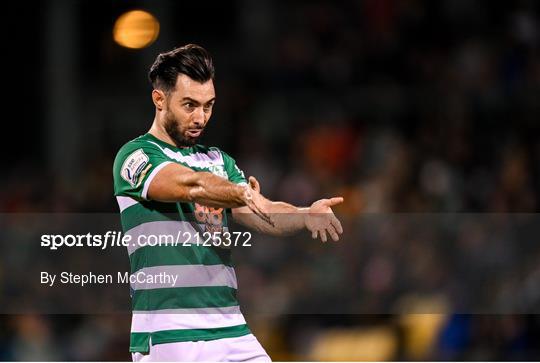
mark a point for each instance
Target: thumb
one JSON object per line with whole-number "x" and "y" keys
{"x": 334, "y": 201}
{"x": 254, "y": 184}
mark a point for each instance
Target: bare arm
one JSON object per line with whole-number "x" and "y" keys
{"x": 288, "y": 219}
{"x": 177, "y": 183}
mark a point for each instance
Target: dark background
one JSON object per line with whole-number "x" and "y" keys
{"x": 399, "y": 106}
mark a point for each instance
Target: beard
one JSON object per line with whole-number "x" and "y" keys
{"x": 176, "y": 132}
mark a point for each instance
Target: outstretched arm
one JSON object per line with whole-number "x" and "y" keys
{"x": 177, "y": 183}
{"x": 319, "y": 218}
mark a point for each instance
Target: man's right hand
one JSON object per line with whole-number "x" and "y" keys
{"x": 256, "y": 203}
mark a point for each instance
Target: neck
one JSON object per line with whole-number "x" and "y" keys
{"x": 159, "y": 132}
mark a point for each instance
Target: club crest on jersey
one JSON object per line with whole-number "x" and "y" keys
{"x": 135, "y": 167}
{"x": 219, "y": 170}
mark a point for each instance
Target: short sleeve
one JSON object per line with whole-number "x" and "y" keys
{"x": 135, "y": 165}
{"x": 235, "y": 174}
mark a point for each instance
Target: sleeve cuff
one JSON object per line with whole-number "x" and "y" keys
{"x": 151, "y": 177}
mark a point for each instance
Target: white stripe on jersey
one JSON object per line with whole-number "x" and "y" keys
{"x": 125, "y": 202}
{"x": 160, "y": 277}
{"x": 198, "y": 160}
{"x": 160, "y": 320}
{"x": 182, "y": 230}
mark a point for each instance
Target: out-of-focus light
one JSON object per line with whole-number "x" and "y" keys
{"x": 136, "y": 29}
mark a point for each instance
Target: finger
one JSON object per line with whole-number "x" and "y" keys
{"x": 254, "y": 184}
{"x": 314, "y": 234}
{"x": 248, "y": 194}
{"x": 334, "y": 201}
{"x": 337, "y": 225}
{"x": 332, "y": 233}
{"x": 322, "y": 233}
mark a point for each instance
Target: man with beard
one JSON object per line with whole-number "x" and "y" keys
{"x": 167, "y": 184}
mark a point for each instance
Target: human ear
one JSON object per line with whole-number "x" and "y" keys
{"x": 159, "y": 99}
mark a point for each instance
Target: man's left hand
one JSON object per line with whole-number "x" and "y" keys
{"x": 320, "y": 219}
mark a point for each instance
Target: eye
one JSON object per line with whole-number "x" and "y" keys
{"x": 189, "y": 106}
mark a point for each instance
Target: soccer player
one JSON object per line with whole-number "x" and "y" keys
{"x": 166, "y": 183}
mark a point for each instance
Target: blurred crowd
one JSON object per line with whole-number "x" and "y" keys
{"x": 399, "y": 106}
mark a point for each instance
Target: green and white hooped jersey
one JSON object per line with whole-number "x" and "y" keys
{"x": 201, "y": 304}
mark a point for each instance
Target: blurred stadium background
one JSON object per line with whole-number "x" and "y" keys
{"x": 399, "y": 105}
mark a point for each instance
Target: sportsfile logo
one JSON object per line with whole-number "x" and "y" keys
{"x": 183, "y": 238}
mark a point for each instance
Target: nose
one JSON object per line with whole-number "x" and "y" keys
{"x": 198, "y": 116}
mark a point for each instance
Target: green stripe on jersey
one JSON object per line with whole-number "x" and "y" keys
{"x": 184, "y": 298}
{"x": 140, "y": 341}
{"x": 182, "y": 335}
{"x": 150, "y": 256}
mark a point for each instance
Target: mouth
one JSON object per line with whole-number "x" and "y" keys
{"x": 194, "y": 132}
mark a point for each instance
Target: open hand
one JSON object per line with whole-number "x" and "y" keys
{"x": 320, "y": 219}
